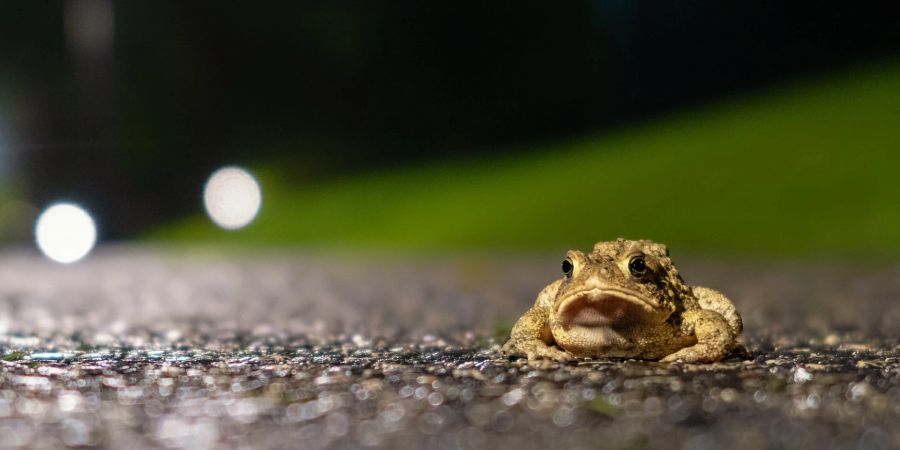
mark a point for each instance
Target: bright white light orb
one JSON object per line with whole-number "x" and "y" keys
{"x": 232, "y": 197}
{"x": 65, "y": 233}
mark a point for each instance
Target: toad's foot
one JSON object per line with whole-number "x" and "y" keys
{"x": 535, "y": 350}
{"x": 714, "y": 338}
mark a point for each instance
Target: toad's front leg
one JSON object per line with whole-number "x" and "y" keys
{"x": 714, "y": 338}
{"x": 531, "y": 338}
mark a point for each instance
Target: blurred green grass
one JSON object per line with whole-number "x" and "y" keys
{"x": 805, "y": 169}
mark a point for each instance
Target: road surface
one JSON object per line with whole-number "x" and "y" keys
{"x": 137, "y": 347}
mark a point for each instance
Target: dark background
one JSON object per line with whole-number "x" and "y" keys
{"x": 131, "y": 124}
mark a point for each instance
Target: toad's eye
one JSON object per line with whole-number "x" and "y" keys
{"x": 567, "y": 267}
{"x": 637, "y": 266}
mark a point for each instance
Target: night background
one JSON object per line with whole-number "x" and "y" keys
{"x": 316, "y": 222}
{"x": 415, "y": 111}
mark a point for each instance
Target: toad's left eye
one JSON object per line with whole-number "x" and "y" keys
{"x": 637, "y": 266}
{"x": 567, "y": 267}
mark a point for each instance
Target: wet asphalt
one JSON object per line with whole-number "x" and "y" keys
{"x": 145, "y": 348}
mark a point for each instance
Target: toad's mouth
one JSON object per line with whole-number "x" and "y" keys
{"x": 598, "y": 308}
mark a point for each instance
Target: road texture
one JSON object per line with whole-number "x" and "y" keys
{"x": 142, "y": 348}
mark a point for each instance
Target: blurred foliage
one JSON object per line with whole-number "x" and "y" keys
{"x": 13, "y": 356}
{"x": 806, "y": 169}
{"x": 501, "y": 330}
{"x": 16, "y": 216}
{"x": 130, "y": 124}
{"x": 602, "y": 405}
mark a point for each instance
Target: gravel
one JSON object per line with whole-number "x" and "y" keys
{"x": 141, "y": 347}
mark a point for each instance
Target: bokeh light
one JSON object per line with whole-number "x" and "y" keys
{"x": 232, "y": 197}
{"x": 89, "y": 25}
{"x": 65, "y": 232}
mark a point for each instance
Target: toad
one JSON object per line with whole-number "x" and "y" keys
{"x": 625, "y": 299}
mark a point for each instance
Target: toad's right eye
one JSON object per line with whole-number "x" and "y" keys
{"x": 567, "y": 267}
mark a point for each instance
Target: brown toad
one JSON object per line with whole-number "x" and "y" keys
{"x": 625, "y": 299}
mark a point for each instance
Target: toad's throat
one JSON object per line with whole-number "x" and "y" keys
{"x": 604, "y": 308}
